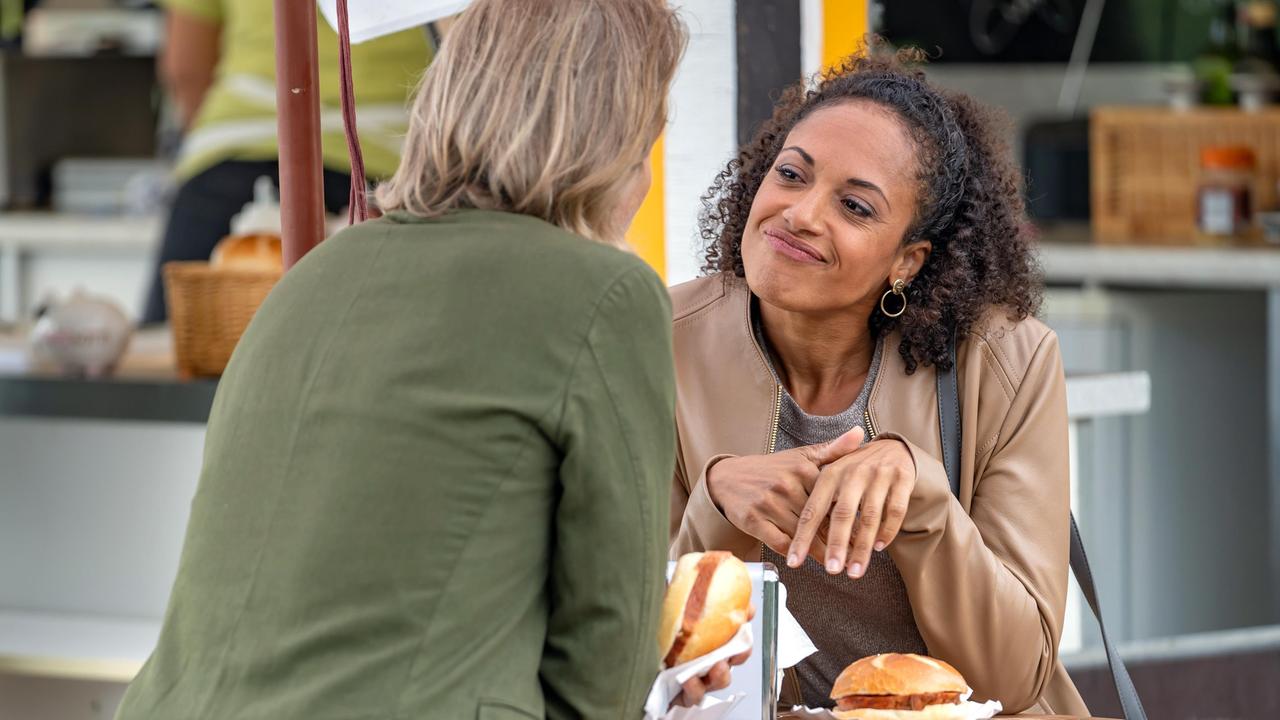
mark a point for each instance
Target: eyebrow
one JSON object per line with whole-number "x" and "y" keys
{"x": 855, "y": 182}
{"x": 868, "y": 185}
{"x": 807, "y": 157}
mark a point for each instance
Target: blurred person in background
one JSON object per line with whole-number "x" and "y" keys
{"x": 436, "y": 475}
{"x": 218, "y": 66}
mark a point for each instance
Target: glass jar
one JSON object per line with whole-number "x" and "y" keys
{"x": 1224, "y": 196}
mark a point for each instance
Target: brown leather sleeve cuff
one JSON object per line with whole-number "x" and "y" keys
{"x": 705, "y": 527}
{"x": 927, "y": 507}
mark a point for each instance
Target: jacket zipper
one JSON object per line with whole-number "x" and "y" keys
{"x": 773, "y": 433}
{"x": 870, "y": 428}
{"x": 777, "y": 414}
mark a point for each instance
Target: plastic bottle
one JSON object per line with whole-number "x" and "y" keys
{"x": 1224, "y": 196}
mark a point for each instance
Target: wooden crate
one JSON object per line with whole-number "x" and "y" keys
{"x": 1144, "y": 167}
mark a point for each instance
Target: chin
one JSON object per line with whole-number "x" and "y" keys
{"x": 787, "y": 288}
{"x": 778, "y": 283}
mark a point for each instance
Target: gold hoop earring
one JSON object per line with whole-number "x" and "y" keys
{"x": 899, "y": 286}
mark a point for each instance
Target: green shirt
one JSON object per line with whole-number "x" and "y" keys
{"x": 435, "y": 485}
{"x": 236, "y": 119}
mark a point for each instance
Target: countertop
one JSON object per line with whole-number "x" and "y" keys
{"x": 145, "y": 386}
{"x": 1069, "y": 256}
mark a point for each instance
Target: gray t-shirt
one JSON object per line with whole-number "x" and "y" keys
{"x": 846, "y": 619}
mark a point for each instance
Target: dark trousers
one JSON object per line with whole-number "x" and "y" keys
{"x": 202, "y": 211}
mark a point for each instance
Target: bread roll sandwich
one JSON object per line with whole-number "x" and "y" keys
{"x": 708, "y": 599}
{"x": 902, "y": 687}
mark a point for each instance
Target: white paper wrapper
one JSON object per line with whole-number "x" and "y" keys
{"x": 669, "y": 682}
{"x": 794, "y": 644}
{"x": 965, "y": 711}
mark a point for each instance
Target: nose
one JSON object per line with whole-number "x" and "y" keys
{"x": 804, "y": 215}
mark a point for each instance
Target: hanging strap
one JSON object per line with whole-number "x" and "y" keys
{"x": 949, "y": 420}
{"x": 359, "y": 204}
{"x": 1130, "y": 703}
{"x": 949, "y": 425}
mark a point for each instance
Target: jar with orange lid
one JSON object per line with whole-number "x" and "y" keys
{"x": 1224, "y": 195}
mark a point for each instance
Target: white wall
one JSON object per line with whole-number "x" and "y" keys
{"x": 702, "y": 134}
{"x": 1174, "y": 503}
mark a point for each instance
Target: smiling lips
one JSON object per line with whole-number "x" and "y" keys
{"x": 792, "y": 247}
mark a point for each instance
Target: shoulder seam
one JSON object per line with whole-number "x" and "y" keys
{"x": 1013, "y": 375}
{"x": 585, "y": 341}
{"x": 701, "y": 303}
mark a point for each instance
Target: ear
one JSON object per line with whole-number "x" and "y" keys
{"x": 910, "y": 259}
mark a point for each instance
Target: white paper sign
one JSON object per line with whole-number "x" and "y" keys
{"x": 369, "y": 19}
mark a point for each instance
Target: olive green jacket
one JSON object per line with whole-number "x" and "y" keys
{"x": 435, "y": 485}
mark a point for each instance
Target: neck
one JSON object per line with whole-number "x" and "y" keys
{"x": 822, "y": 360}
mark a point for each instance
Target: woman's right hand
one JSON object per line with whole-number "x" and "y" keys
{"x": 763, "y": 495}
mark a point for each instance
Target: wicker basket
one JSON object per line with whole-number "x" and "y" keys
{"x": 209, "y": 309}
{"x": 1144, "y": 166}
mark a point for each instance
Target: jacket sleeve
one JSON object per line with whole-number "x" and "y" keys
{"x": 989, "y": 587}
{"x": 697, "y": 524}
{"x": 609, "y": 556}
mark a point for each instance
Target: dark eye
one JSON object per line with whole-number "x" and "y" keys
{"x": 858, "y": 207}
{"x": 787, "y": 173}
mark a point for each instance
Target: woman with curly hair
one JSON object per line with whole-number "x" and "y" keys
{"x": 872, "y": 223}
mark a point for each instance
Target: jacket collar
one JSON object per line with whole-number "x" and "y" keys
{"x": 896, "y": 399}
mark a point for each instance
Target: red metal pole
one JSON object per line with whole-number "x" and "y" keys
{"x": 298, "y": 103}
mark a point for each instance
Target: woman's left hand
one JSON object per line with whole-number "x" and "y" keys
{"x": 871, "y": 487}
{"x": 717, "y": 678}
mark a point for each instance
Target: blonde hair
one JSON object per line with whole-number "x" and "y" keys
{"x": 540, "y": 107}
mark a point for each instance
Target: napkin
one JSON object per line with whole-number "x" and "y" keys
{"x": 669, "y": 682}
{"x": 794, "y": 644}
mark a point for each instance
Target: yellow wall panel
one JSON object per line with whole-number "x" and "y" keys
{"x": 844, "y": 23}
{"x": 647, "y": 233}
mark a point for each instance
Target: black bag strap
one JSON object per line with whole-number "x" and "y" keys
{"x": 949, "y": 424}
{"x": 949, "y": 420}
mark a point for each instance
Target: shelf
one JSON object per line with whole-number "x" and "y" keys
{"x": 93, "y": 234}
{"x": 82, "y": 647}
{"x": 1103, "y": 395}
{"x": 1069, "y": 257}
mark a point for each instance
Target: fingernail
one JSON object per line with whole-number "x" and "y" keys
{"x": 856, "y": 570}
{"x": 833, "y": 566}
{"x": 793, "y": 560}
{"x": 879, "y": 546}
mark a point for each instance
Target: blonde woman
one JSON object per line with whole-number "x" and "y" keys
{"x": 436, "y": 472}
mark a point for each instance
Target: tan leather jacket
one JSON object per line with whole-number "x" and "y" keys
{"x": 986, "y": 573}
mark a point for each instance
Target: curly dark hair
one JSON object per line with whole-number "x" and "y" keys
{"x": 970, "y": 205}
